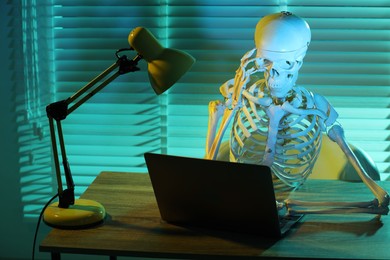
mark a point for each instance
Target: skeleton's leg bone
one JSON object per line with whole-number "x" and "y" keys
{"x": 336, "y": 134}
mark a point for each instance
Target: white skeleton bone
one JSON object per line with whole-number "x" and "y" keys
{"x": 279, "y": 124}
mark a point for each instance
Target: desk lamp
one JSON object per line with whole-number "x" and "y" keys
{"x": 165, "y": 67}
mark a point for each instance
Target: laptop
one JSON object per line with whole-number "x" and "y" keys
{"x": 219, "y": 195}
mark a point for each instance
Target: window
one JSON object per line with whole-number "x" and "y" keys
{"x": 347, "y": 61}
{"x": 30, "y": 24}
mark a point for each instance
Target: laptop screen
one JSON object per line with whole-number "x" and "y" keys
{"x": 214, "y": 194}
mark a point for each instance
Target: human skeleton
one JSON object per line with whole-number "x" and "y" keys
{"x": 277, "y": 123}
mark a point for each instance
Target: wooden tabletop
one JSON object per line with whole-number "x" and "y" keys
{"x": 133, "y": 227}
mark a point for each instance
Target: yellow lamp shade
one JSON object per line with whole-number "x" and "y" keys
{"x": 165, "y": 65}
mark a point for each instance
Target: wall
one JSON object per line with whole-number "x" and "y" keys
{"x": 16, "y": 232}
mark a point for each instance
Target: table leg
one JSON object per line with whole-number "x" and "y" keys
{"x": 112, "y": 257}
{"x": 55, "y": 256}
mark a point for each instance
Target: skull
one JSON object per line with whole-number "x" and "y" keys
{"x": 280, "y": 76}
{"x": 281, "y": 41}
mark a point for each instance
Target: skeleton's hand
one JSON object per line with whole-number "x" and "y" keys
{"x": 250, "y": 64}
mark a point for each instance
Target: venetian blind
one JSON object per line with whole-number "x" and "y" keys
{"x": 32, "y": 75}
{"x": 118, "y": 125}
{"x": 347, "y": 61}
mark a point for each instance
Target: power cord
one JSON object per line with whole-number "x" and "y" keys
{"x": 38, "y": 224}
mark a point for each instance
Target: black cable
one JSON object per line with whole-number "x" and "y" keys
{"x": 38, "y": 223}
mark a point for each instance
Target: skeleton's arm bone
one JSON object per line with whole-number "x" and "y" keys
{"x": 323, "y": 109}
{"x": 308, "y": 207}
{"x": 336, "y": 134}
{"x": 323, "y": 105}
{"x": 213, "y": 146}
{"x": 291, "y": 202}
{"x": 369, "y": 210}
{"x": 232, "y": 91}
{"x": 216, "y": 109}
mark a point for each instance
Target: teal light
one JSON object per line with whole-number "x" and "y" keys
{"x": 348, "y": 62}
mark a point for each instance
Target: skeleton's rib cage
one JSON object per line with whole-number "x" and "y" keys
{"x": 288, "y": 143}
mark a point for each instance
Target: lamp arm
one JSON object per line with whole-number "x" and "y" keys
{"x": 58, "y": 111}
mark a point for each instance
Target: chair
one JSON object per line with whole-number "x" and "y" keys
{"x": 333, "y": 164}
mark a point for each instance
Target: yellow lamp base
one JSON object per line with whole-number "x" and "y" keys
{"x": 83, "y": 214}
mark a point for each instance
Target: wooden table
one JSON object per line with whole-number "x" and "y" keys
{"x": 133, "y": 228}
